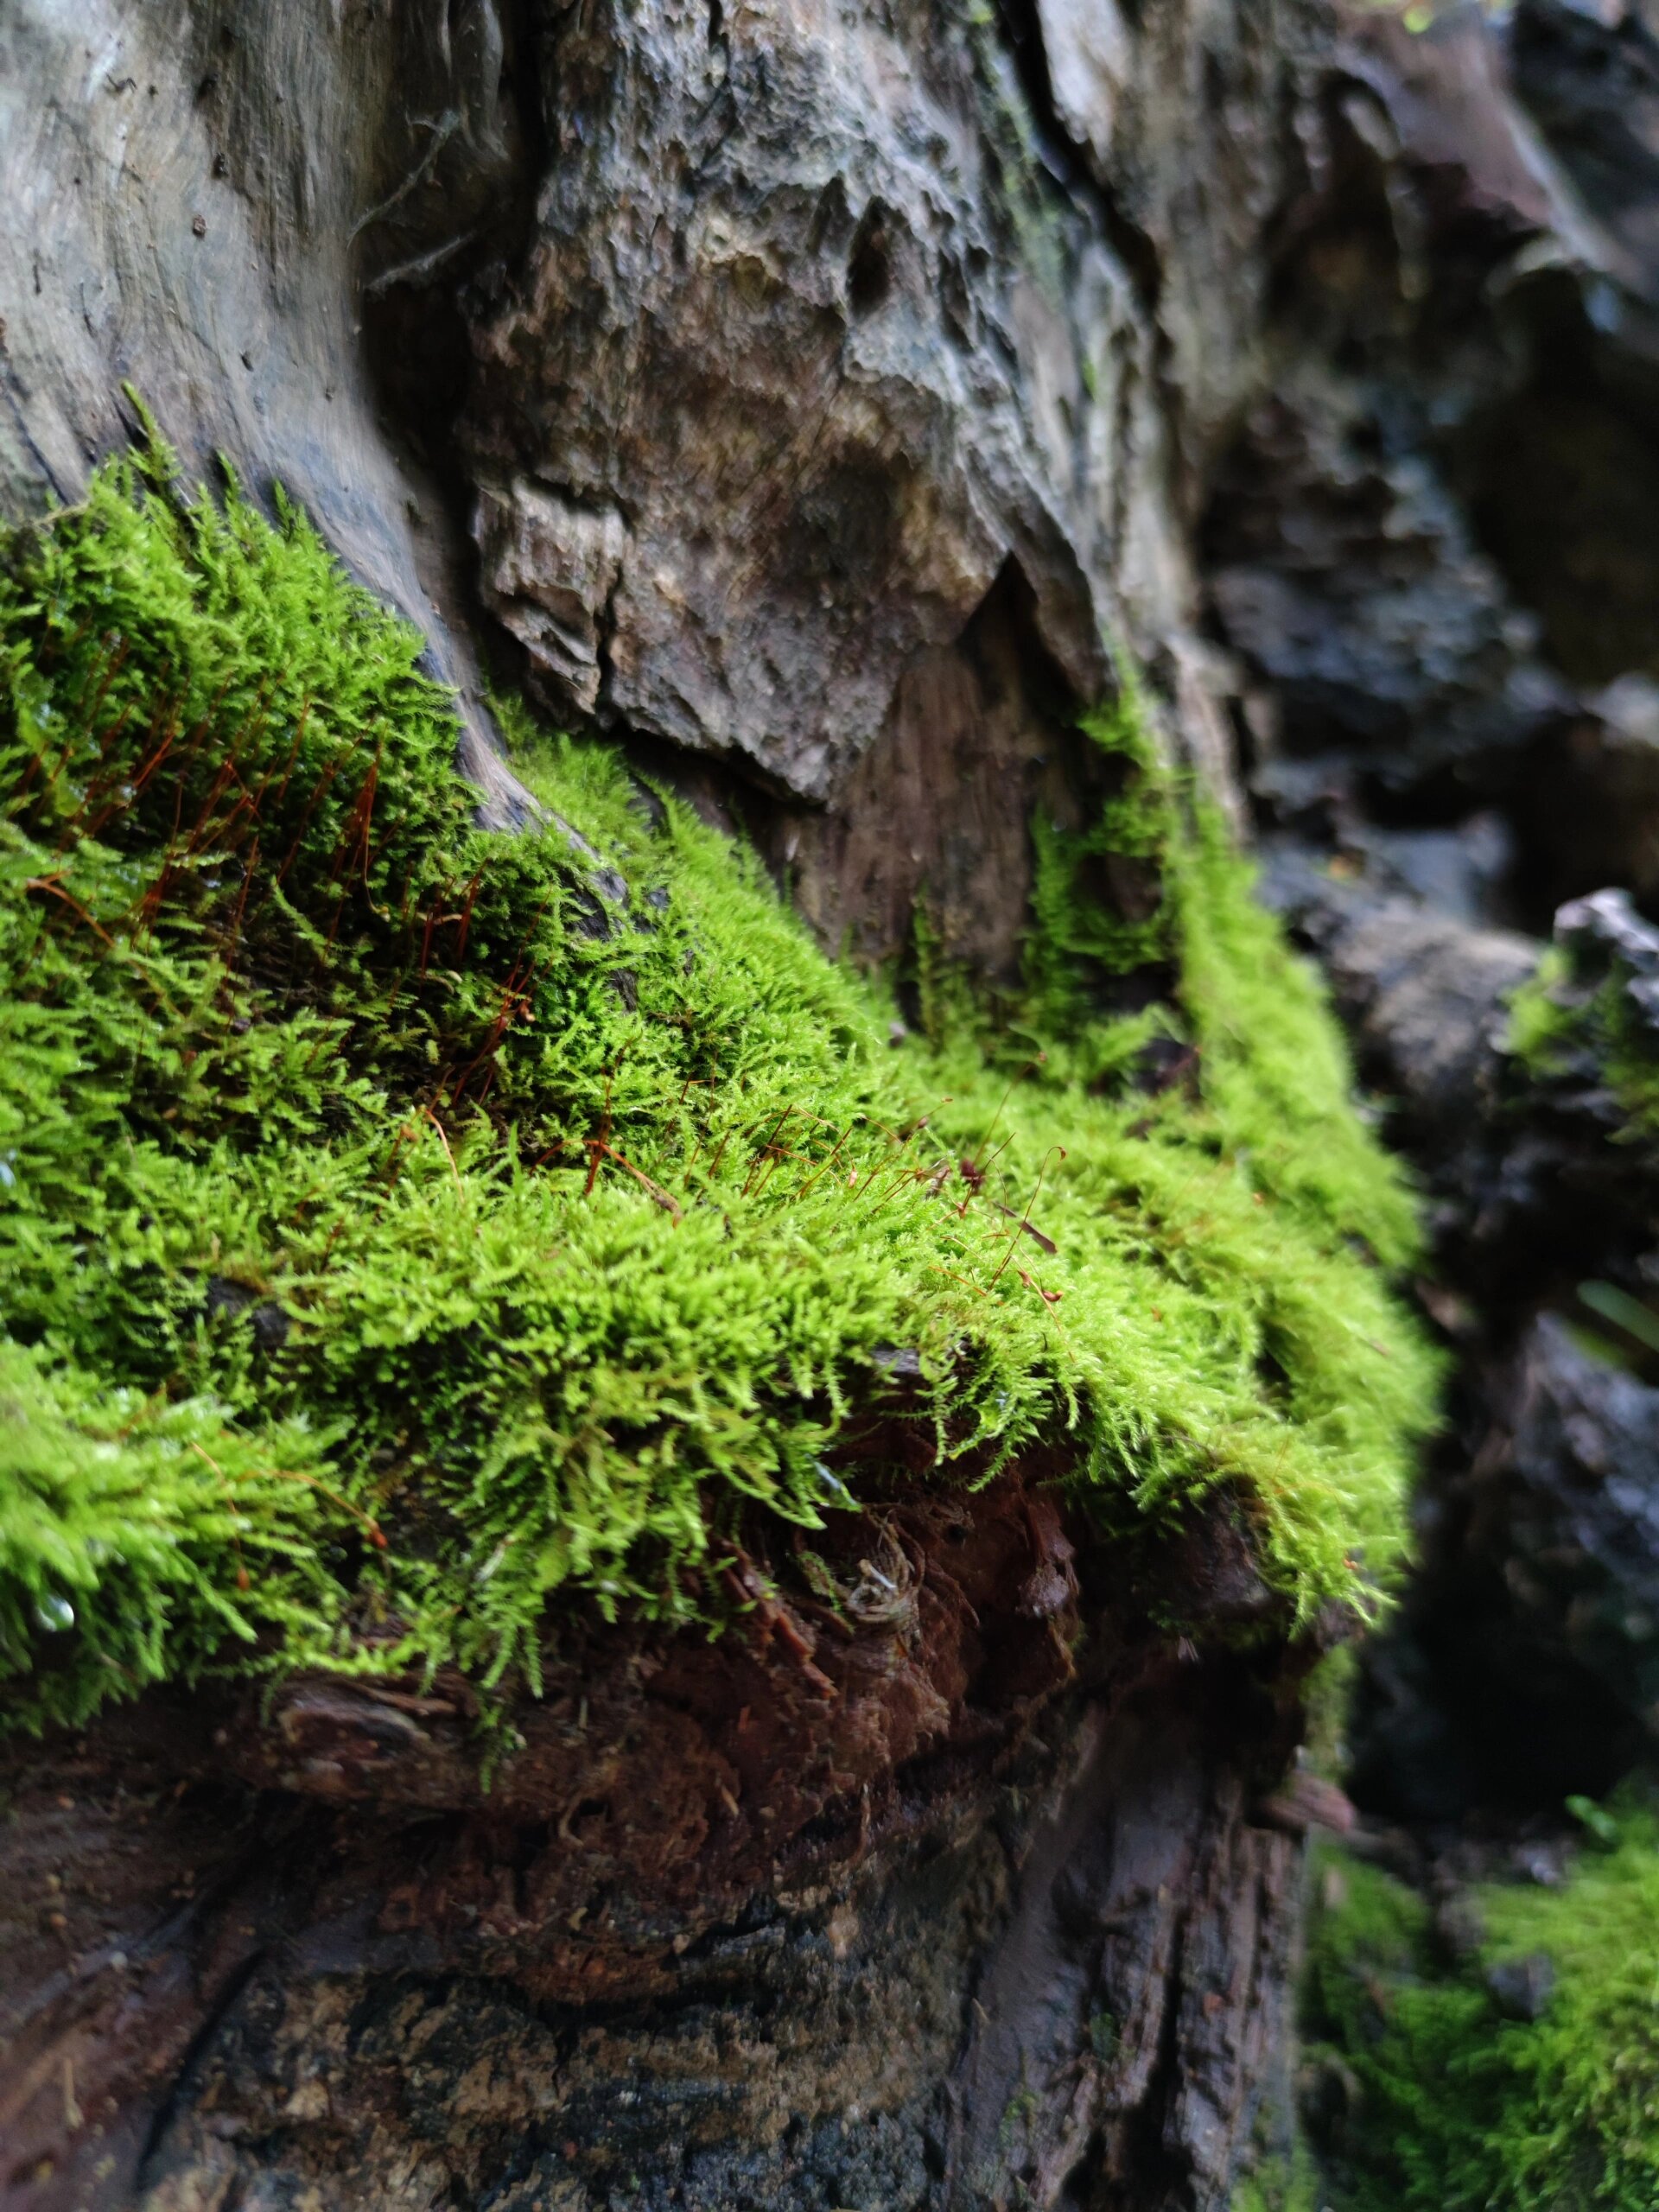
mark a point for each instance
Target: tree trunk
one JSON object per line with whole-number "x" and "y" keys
{"x": 805, "y": 396}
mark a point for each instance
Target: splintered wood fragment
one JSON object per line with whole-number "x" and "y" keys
{"x": 790, "y": 1635}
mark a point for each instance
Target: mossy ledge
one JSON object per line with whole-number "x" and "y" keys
{"x": 409, "y": 1228}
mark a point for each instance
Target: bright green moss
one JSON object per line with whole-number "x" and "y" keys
{"x": 403, "y": 1222}
{"x": 1540, "y": 1027}
{"x": 1079, "y": 938}
{"x": 1458, "y": 2109}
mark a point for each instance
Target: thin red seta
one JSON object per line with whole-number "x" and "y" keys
{"x": 467, "y": 916}
{"x": 370, "y": 1526}
{"x": 433, "y": 920}
{"x": 991, "y": 1130}
{"x": 72, "y": 828}
{"x": 88, "y": 722}
{"x": 447, "y": 1155}
{"x": 248, "y": 868}
{"x": 514, "y": 1000}
{"x": 601, "y": 1144}
{"x": 316, "y": 798}
{"x": 669, "y": 1203}
{"x": 50, "y": 883}
{"x": 293, "y": 755}
{"x": 1024, "y": 1221}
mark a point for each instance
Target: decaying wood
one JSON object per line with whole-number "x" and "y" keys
{"x": 972, "y": 1909}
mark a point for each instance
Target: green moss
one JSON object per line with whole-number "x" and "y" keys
{"x": 1327, "y": 1702}
{"x": 1539, "y": 1025}
{"x": 1279, "y": 2184}
{"x": 1082, "y": 938}
{"x": 1458, "y": 2108}
{"x": 1565, "y": 1026}
{"x": 403, "y": 1223}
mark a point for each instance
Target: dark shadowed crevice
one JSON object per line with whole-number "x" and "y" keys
{"x": 869, "y": 264}
{"x": 1562, "y": 479}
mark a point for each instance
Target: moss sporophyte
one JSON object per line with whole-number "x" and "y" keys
{"x": 404, "y": 1225}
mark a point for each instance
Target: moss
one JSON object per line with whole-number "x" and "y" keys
{"x": 1104, "y": 904}
{"x": 1569, "y": 1024}
{"x": 404, "y": 1224}
{"x": 1328, "y": 1704}
{"x": 1279, "y": 2184}
{"x": 1458, "y": 2106}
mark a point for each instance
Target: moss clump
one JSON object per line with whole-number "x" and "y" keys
{"x": 1458, "y": 2108}
{"x": 402, "y": 1223}
{"x": 1576, "y": 1025}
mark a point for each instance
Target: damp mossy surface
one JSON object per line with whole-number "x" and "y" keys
{"x": 1456, "y": 2102}
{"x": 407, "y": 1227}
